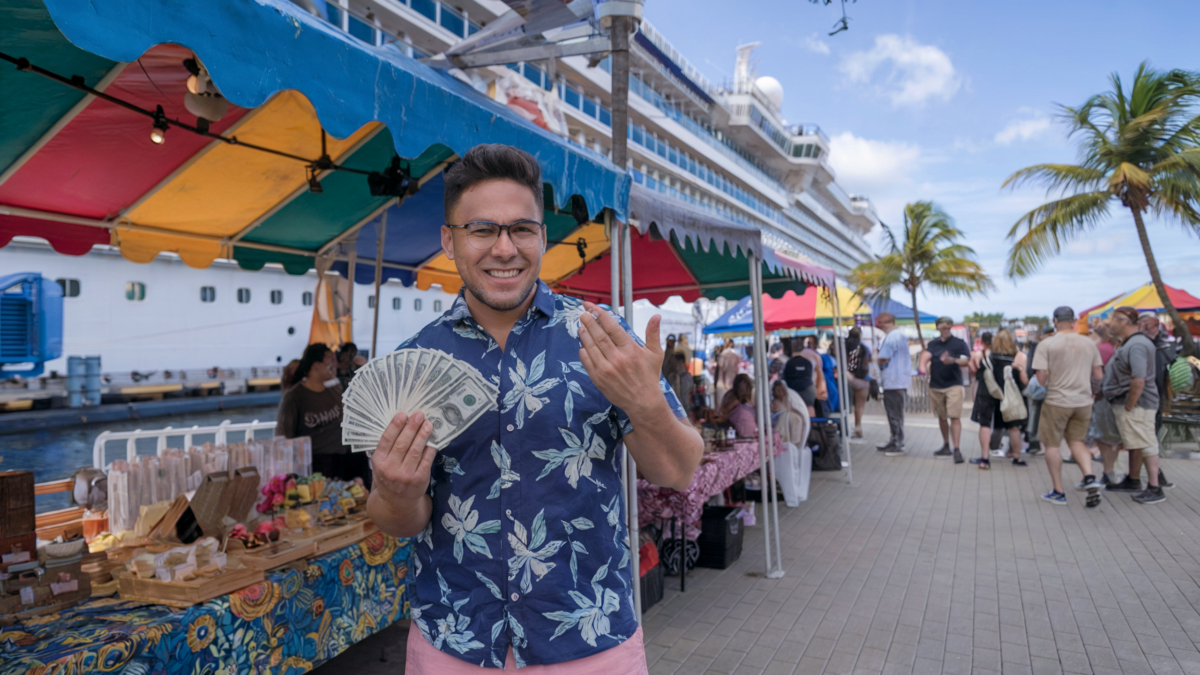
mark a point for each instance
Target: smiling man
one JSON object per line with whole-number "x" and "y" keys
{"x": 521, "y": 555}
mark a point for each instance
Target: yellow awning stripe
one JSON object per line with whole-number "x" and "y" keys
{"x": 228, "y": 187}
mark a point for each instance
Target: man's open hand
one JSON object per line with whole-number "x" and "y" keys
{"x": 624, "y": 371}
{"x": 402, "y": 460}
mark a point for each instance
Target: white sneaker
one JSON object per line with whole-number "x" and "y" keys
{"x": 999, "y": 453}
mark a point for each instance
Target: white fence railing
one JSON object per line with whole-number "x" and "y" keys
{"x": 222, "y": 434}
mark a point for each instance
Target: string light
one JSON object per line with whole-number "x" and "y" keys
{"x": 158, "y": 133}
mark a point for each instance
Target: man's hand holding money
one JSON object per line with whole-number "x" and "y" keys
{"x": 401, "y": 465}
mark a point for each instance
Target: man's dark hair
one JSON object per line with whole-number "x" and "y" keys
{"x": 491, "y": 161}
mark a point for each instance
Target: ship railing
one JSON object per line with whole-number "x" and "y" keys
{"x": 222, "y": 434}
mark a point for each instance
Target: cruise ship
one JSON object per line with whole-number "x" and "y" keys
{"x": 724, "y": 147}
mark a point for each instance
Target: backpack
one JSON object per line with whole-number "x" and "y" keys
{"x": 1012, "y": 405}
{"x": 1180, "y": 375}
{"x": 856, "y": 364}
{"x": 989, "y": 378}
{"x": 825, "y": 439}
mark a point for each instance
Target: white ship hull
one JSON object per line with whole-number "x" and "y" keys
{"x": 171, "y": 328}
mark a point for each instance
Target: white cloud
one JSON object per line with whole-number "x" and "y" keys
{"x": 915, "y": 73}
{"x": 867, "y": 166}
{"x": 1030, "y": 124}
{"x": 1089, "y": 245}
{"x": 816, "y": 45}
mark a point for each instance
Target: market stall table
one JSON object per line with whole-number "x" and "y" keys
{"x": 719, "y": 471}
{"x": 300, "y": 617}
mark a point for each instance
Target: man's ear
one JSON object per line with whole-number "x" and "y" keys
{"x": 448, "y": 242}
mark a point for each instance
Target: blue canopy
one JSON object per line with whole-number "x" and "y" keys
{"x": 257, "y": 48}
{"x": 739, "y": 319}
{"x": 902, "y": 312}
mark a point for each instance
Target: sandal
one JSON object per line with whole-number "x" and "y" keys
{"x": 1019, "y": 462}
{"x": 985, "y": 464}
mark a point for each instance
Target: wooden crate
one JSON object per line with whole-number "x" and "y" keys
{"x": 24, "y": 542}
{"x": 17, "y": 495}
{"x": 184, "y": 594}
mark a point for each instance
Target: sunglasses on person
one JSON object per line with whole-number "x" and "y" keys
{"x": 483, "y": 234}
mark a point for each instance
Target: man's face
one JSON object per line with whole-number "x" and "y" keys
{"x": 670, "y": 343}
{"x": 886, "y": 325}
{"x": 944, "y": 331}
{"x": 503, "y": 276}
{"x": 1149, "y": 326}
{"x": 1122, "y": 326}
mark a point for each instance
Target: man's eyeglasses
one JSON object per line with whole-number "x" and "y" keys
{"x": 482, "y": 234}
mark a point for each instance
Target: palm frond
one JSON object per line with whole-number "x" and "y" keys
{"x": 1049, "y": 226}
{"x": 1057, "y": 177}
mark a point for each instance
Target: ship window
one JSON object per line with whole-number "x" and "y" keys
{"x": 396, "y": 304}
{"x": 243, "y": 295}
{"x": 589, "y": 107}
{"x": 605, "y": 116}
{"x": 276, "y": 297}
{"x": 370, "y": 302}
{"x": 306, "y": 299}
{"x": 417, "y": 305}
{"x": 208, "y": 294}
{"x": 135, "y": 291}
{"x": 437, "y": 305}
{"x": 70, "y": 287}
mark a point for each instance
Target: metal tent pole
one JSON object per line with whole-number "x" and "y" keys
{"x": 765, "y": 397}
{"x": 378, "y": 280}
{"x": 760, "y": 373}
{"x": 843, "y": 391}
{"x": 631, "y": 466}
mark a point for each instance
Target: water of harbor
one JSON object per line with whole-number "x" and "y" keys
{"x": 54, "y": 454}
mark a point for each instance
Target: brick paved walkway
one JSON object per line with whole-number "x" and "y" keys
{"x": 927, "y": 567}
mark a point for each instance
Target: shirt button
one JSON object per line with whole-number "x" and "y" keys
{"x": 508, "y": 512}
{"x": 515, "y": 597}
{"x": 510, "y": 427}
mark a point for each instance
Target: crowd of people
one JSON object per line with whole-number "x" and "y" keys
{"x": 1070, "y": 397}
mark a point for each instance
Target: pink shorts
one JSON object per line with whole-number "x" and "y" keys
{"x": 627, "y": 658}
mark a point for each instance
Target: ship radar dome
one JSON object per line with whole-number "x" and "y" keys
{"x": 771, "y": 89}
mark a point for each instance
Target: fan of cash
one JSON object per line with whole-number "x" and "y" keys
{"x": 451, "y": 393}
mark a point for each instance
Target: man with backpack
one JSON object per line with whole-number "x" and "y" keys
{"x": 944, "y": 358}
{"x": 858, "y": 364}
{"x": 1165, "y": 353}
{"x": 1130, "y": 387}
{"x": 1068, "y": 365}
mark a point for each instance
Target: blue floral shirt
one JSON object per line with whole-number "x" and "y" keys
{"x": 527, "y": 544}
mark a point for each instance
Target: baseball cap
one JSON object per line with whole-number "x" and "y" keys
{"x": 1128, "y": 312}
{"x": 1047, "y": 330}
{"x": 943, "y": 320}
{"x": 1064, "y": 313}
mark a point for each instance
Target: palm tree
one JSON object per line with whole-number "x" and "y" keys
{"x": 1140, "y": 149}
{"x": 927, "y": 252}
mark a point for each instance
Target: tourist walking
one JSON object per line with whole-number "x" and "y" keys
{"x": 944, "y": 358}
{"x": 1005, "y": 366}
{"x": 1035, "y": 405}
{"x": 1130, "y": 388}
{"x": 799, "y": 374}
{"x": 728, "y": 363}
{"x": 895, "y": 366}
{"x": 1068, "y": 365}
{"x": 858, "y": 365}
{"x": 1165, "y": 353}
{"x": 1103, "y": 432}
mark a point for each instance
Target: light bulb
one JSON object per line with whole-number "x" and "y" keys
{"x": 157, "y": 136}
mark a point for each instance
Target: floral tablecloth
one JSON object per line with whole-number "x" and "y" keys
{"x": 659, "y": 505}
{"x": 290, "y": 623}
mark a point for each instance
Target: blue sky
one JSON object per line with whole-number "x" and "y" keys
{"x": 943, "y": 100}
